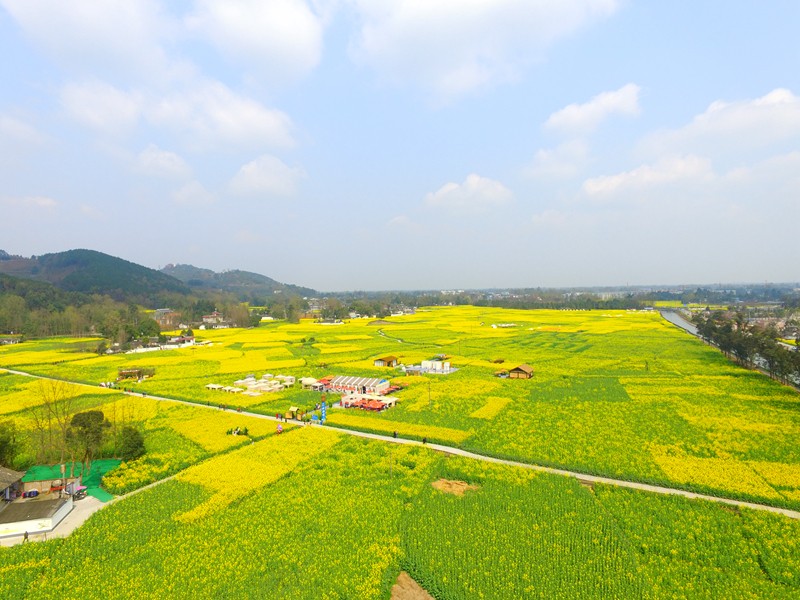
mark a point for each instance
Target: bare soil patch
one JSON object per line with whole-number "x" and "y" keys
{"x": 457, "y": 488}
{"x": 407, "y": 589}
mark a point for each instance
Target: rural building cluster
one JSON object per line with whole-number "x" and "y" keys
{"x": 37, "y": 500}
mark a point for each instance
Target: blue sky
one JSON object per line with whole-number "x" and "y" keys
{"x": 408, "y": 144}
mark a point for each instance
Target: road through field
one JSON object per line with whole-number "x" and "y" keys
{"x": 582, "y": 477}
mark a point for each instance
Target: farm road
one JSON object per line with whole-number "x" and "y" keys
{"x": 582, "y": 477}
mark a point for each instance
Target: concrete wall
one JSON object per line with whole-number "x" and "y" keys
{"x": 36, "y": 525}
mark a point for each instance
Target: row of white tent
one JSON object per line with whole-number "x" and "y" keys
{"x": 255, "y": 387}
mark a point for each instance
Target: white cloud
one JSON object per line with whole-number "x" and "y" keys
{"x": 399, "y": 221}
{"x": 768, "y": 185}
{"x": 161, "y": 163}
{"x": 477, "y": 194}
{"x": 549, "y": 219}
{"x": 206, "y": 114}
{"x": 211, "y": 114}
{"x": 193, "y": 194}
{"x": 91, "y": 212}
{"x": 454, "y": 47}
{"x": 102, "y": 106}
{"x": 273, "y": 37}
{"x": 584, "y": 118}
{"x": 266, "y": 175}
{"x": 12, "y": 129}
{"x": 561, "y": 162}
{"x": 666, "y": 171}
{"x": 247, "y": 236}
{"x": 734, "y": 129}
{"x": 112, "y": 37}
{"x": 36, "y": 202}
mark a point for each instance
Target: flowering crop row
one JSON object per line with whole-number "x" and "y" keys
{"x": 167, "y": 453}
{"x": 385, "y": 426}
{"x": 691, "y": 549}
{"x": 617, "y": 393}
{"x": 493, "y": 406}
{"x": 541, "y": 538}
{"x": 239, "y": 473}
{"x": 346, "y": 514}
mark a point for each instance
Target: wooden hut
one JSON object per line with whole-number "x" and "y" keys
{"x": 521, "y": 372}
{"x": 10, "y": 483}
{"x": 386, "y": 361}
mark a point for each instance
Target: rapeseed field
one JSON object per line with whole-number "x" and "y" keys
{"x": 616, "y": 393}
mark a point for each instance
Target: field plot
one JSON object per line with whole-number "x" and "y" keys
{"x": 325, "y": 515}
{"x": 615, "y": 393}
{"x": 19, "y": 394}
{"x": 176, "y": 435}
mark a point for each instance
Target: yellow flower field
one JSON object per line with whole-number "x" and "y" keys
{"x": 493, "y": 406}
{"x": 716, "y": 473}
{"x": 207, "y": 427}
{"x": 607, "y": 386}
{"x": 239, "y": 473}
{"x": 385, "y": 426}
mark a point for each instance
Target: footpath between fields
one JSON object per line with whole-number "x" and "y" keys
{"x": 582, "y": 477}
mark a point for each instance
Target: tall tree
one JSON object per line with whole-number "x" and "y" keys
{"x": 51, "y": 419}
{"x": 87, "y": 432}
{"x": 132, "y": 443}
{"x": 9, "y": 443}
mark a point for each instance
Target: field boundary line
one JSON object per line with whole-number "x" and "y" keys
{"x": 646, "y": 487}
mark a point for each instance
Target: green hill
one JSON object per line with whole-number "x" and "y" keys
{"x": 92, "y": 272}
{"x": 244, "y": 284}
{"x": 39, "y": 294}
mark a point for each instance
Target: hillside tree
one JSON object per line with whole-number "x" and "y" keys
{"x": 87, "y": 432}
{"x": 9, "y": 443}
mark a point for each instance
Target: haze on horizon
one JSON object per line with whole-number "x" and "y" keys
{"x": 368, "y": 144}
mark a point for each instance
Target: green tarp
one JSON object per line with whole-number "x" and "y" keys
{"x": 91, "y": 481}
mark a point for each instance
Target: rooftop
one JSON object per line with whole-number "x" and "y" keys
{"x": 8, "y": 476}
{"x": 31, "y": 510}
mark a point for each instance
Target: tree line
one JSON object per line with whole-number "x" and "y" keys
{"x": 750, "y": 345}
{"x": 63, "y": 433}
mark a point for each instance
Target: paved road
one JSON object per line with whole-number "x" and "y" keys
{"x": 81, "y": 510}
{"x": 584, "y": 477}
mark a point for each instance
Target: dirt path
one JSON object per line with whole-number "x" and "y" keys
{"x": 582, "y": 477}
{"x": 407, "y": 589}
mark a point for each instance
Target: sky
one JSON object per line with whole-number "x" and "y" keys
{"x": 408, "y": 144}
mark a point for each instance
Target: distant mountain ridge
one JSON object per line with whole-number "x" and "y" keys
{"x": 92, "y": 272}
{"x": 245, "y": 284}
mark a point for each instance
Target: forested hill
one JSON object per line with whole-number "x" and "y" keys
{"x": 39, "y": 294}
{"x": 246, "y": 285}
{"x": 92, "y": 272}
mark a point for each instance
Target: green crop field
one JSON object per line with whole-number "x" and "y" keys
{"x": 620, "y": 394}
{"x": 318, "y": 514}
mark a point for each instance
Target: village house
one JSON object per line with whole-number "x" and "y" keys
{"x": 37, "y": 516}
{"x": 386, "y": 361}
{"x": 363, "y": 385}
{"x": 521, "y": 372}
{"x": 46, "y": 479}
{"x": 167, "y": 318}
{"x": 215, "y": 318}
{"x": 10, "y": 483}
{"x": 367, "y": 401}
